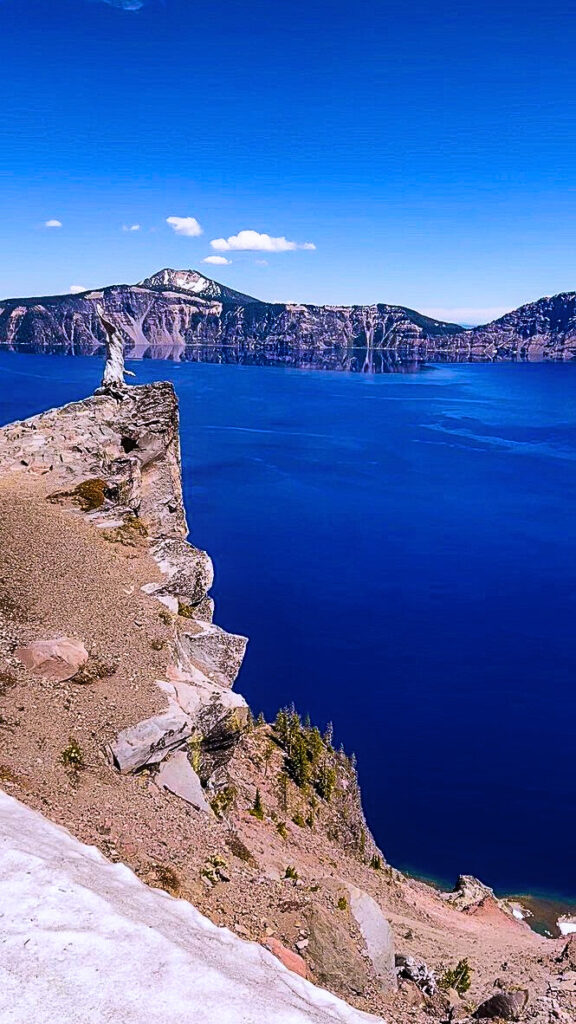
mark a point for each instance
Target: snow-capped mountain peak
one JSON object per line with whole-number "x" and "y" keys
{"x": 194, "y": 283}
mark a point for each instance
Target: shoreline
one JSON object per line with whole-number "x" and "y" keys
{"x": 545, "y": 908}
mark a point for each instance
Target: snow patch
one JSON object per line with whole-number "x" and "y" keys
{"x": 84, "y": 941}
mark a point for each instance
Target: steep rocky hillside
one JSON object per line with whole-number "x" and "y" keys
{"x": 545, "y": 329}
{"x": 180, "y": 314}
{"x": 119, "y": 720}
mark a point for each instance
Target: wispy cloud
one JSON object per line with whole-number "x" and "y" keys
{"x": 76, "y": 289}
{"x": 131, "y": 227}
{"x": 188, "y": 226}
{"x": 52, "y": 223}
{"x": 217, "y": 261}
{"x": 254, "y": 241}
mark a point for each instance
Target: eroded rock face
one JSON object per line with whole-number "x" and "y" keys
{"x": 180, "y": 314}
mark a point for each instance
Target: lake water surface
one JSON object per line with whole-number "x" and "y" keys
{"x": 401, "y": 550}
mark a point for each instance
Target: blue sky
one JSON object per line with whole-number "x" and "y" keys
{"x": 416, "y": 153}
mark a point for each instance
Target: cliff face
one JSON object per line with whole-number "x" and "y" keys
{"x": 185, "y": 316}
{"x": 182, "y": 315}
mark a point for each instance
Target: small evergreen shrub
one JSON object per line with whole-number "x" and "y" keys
{"x": 459, "y": 978}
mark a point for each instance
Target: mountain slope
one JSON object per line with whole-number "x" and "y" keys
{"x": 545, "y": 329}
{"x": 182, "y": 315}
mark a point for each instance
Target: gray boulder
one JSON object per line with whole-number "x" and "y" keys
{"x": 216, "y": 653}
{"x": 178, "y": 777}
{"x": 377, "y": 935}
{"x": 151, "y": 740}
{"x": 502, "y": 1006}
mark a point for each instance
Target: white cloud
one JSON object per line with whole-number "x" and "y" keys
{"x": 253, "y": 241}
{"x": 188, "y": 226}
{"x": 261, "y": 263}
{"x": 466, "y": 314}
{"x": 53, "y": 224}
{"x": 131, "y": 227}
{"x": 75, "y": 289}
{"x": 218, "y": 261}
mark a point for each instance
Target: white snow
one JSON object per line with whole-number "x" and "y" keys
{"x": 567, "y": 925}
{"x": 83, "y": 941}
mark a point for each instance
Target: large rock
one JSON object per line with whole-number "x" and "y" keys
{"x": 288, "y": 957}
{"x": 178, "y": 777}
{"x": 188, "y": 570}
{"x": 216, "y": 653}
{"x": 338, "y": 964}
{"x": 418, "y": 972}
{"x": 502, "y": 1006}
{"x": 377, "y": 935}
{"x": 151, "y": 740}
{"x": 217, "y": 714}
{"x": 57, "y": 660}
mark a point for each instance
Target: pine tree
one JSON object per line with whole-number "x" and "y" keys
{"x": 257, "y": 810}
{"x": 283, "y": 791}
{"x": 298, "y": 762}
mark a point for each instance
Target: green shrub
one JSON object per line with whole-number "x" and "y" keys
{"x": 459, "y": 978}
{"x": 223, "y": 800}
{"x": 291, "y": 873}
{"x": 72, "y": 756}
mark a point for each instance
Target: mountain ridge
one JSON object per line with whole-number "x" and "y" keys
{"x": 185, "y": 316}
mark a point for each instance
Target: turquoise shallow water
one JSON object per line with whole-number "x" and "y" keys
{"x": 401, "y": 551}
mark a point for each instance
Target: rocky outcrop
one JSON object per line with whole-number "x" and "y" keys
{"x": 182, "y": 315}
{"x": 116, "y": 456}
{"x": 473, "y": 897}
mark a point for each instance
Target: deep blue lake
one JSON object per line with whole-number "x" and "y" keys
{"x": 401, "y": 550}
